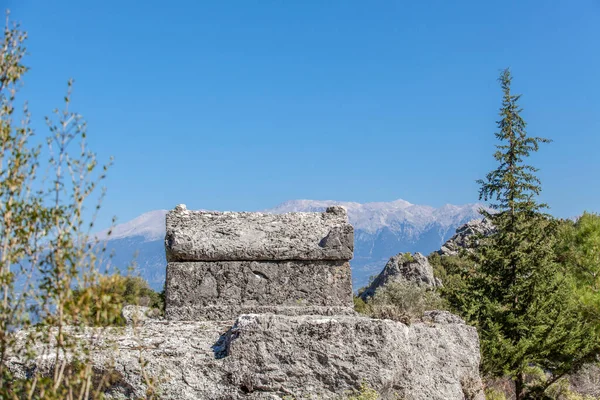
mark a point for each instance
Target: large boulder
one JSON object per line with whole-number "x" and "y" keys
{"x": 465, "y": 237}
{"x": 412, "y": 268}
{"x": 278, "y": 356}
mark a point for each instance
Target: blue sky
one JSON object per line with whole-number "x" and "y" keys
{"x": 240, "y": 105}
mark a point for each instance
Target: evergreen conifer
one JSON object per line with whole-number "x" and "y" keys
{"x": 517, "y": 295}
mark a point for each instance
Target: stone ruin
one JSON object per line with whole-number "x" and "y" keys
{"x": 259, "y": 306}
{"x": 223, "y": 264}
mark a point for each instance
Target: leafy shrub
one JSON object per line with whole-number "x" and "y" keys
{"x": 360, "y": 306}
{"x": 494, "y": 394}
{"x": 400, "y": 301}
{"x": 408, "y": 257}
{"x": 106, "y": 298}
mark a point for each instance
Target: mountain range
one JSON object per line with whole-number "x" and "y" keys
{"x": 382, "y": 229}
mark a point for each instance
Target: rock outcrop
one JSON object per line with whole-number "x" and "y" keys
{"x": 278, "y": 356}
{"x": 135, "y": 314}
{"x": 413, "y": 268}
{"x": 464, "y": 237}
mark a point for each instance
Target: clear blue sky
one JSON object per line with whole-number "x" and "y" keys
{"x": 240, "y": 105}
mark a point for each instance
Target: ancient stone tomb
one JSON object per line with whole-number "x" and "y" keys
{"x": 223, "y": 264}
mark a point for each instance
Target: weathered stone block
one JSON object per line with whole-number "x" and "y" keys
{"x": 277, "y": 356}
{"x": 237, "y": 236}
{"x": 225, "y": 289}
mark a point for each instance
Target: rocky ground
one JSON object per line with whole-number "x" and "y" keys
{"x": 275, "y": 356}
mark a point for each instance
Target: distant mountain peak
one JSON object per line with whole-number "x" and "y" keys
{"x": 369, "y": 217}
{"x": 150, "y": 225}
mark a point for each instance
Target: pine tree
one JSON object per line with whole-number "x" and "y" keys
{"x": 518, "y": 296}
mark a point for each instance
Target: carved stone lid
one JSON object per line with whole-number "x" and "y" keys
{"x": 254, "y": 236}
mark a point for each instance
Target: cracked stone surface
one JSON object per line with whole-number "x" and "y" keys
{"x": 252, "y": 236}
{"x": 226, "y": 289}
{"x": 277, "y": 356}
{"x": 465, "y": 237}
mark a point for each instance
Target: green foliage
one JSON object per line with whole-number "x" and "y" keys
{"x": 400, "y": 301}
{"x": 513, "y": 185}
{"x": 111, "y": 293}
{"x": 494, "y": 394}
{"x": 579, "y": 248}
{"x": 408, "y": 257}
{"x": 364, "y": 392}
{"x": 518, "y": 295}
{"x": 46, "y": 247}
{"x": 436, "y": 263}
{"x": 360, "y": 306}
{"x": 451, "y": 270}
{"x": 560, "y": 389}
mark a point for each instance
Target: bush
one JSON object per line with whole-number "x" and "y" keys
{"x": 360, "y": 306}
{"x": 408, "y": 257}
{"x": 401, "y": 301}
{"x": 494, "y": 394}
{"x": 113, "y": 293}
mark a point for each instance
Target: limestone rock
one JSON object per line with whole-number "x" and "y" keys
{"x": 463, "y": 239}
{"x": 442, "y": 317}
{"x": 276, "y": 356}
{"x": 226, "y": 289}
{"x": 403, "y": 266}
{"x": 251, "y": 236}
{"x": 135, "y": 314}
{"x": 586, "y": 381}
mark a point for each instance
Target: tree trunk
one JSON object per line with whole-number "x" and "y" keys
{"x": 519, "y": 386}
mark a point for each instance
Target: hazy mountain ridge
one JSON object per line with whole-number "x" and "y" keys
{"x": 150, "y": 226}
{"x": 382, "y": 229}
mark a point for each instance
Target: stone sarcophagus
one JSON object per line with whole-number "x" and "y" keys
{"x": 223, "y": 264}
